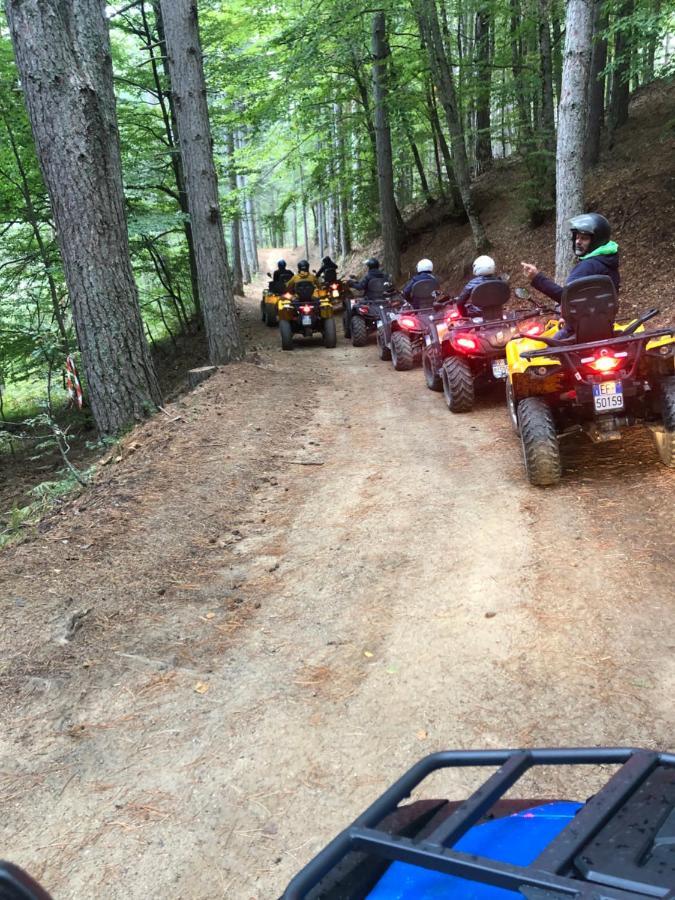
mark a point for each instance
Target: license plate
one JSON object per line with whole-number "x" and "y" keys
{"x": 499, "y": 369}
{"x": 336, "y": 293}
{"x": 306, "y": 320}
{"x": 379, "y": 324}
{"x": 608, "y": 395}
{"x": 427, "y": 339}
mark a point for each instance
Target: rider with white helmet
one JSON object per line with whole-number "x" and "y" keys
{"x": 484, "y": 269}
{"x": 419, "y": 290}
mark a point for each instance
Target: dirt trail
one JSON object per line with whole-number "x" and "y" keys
{"x": 313, "y": 577}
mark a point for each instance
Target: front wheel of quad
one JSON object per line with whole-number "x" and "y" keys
{"x": 511, "y": 406}
{"x": 359, "y": 332}
{"x": 402, "y": 356}
{"x": 457, "y": 385}
{"x": 382, "y": 350}
{"x": 431, "y": 376}
{"x": 286, "y": 333}
{"x": 539, "y": 440}
{"x": 664, "y": 437}
{"x": 263, "y": 311}
{"x": 347, "y": 325}
{"x": 329, "y": 333}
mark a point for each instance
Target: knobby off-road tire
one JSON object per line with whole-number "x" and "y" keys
{"x": 263, "y": 311}
{"x": 402, "y": 355}
{"x": 457, "y": 385}
{"x": 347, "y": 325}
{"x": 286, "y": 333}
{"x": 664, "y": 438}
{"x": 272, "y": 317}
{"x": 359, "y": 332}
{"x": 382, "y": 350}
{"x": 541, "y": 451}
{"x": 431, "y": 376}
{"x": 329, "y": 333}
{"x": 511, "y": 406}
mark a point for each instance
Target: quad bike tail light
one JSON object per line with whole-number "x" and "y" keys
{"x": 288, "y": 296}
{"x": 533, "y": 329}
{"x": 452, "y": 314}
{"x": 465, "y": 342}
{"x": 604, "y": 363}
{"x": 364, "y": 310}
{"x": 334, "y": 287}
{"x": 408, "y": 322}
{"x": 306, "y": 309}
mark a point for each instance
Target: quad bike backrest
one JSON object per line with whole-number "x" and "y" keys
{"x": 376, "y": 288}
{"x": 590, "y": 305}
{"x": 304, "y": 290}
{"x": 490, "y": 297}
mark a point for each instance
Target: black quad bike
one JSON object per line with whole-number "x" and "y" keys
{"x": 462, "y": 353}
{"x": 307, "y": 311}
{"x": 362, "y": 317}
{"x": 401, "y": 333}
{"x": 617, "y": 845}
{"x": 604, "y": 378}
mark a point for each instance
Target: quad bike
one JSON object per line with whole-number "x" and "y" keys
{"x": 401, "y": 333}
{"x": 618, "y": 845}
{"x": 364, "y": 314}
{"x": 269, "y": 305}
{"x": 462, "y": 353}
{"x": 305, "y": 312}
{"x": 339, "y": 294}
{"x": 602, "y": 380}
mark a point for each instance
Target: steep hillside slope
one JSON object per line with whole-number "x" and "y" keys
{"x": 634, "y": 186}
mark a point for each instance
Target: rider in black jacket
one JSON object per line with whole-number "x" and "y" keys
{"x": 372, "y": 283}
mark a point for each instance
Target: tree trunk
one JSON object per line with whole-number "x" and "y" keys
{"x": 253, "y": 225}
{"x": 556, "y": 32}
{"x": 189, "y": 93}
{"x": 63, "y": 56}
{"x": 385, "y": 167}
{"x": 596, "y": 87}
{"x": 442, "y": 73}
{"x": 483, "y": 89}
{"x": 171, "y": 129}
{"x": 547, "y": 115}
{"x": 618, "y": 106}
{"x": 572, "y": 128}
{"x": 525, "y": 135}
{"x": 235, "y": 225}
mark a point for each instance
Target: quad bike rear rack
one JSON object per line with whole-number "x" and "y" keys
{"x": 619, "y": 846}
{"x": 555, "y": 348}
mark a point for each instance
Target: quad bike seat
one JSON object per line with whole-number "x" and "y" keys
{"x": 490, "y": 297}
{"x": 304, "y": 291}
{"x": 589, "y": 306}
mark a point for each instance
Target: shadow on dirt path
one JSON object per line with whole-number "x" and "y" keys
{"x": 305, "y": 576}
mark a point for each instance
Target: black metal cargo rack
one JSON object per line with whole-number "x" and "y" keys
{"x": 619, "y": 846}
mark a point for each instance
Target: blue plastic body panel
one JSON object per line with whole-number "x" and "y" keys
{"x": 516, "y": 839}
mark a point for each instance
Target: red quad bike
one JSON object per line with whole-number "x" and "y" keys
{"x": 463, "y": 353}
{"x": 363, "y": 316}
{"x": 401, "y": 333}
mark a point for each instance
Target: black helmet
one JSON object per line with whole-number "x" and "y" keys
{"x": 593, "y": 224}
{"x": 373, "y": 263}
{"x": 281, "y": 264}
{"x": 303, "y": 266}
{"x": 327, "y": 261}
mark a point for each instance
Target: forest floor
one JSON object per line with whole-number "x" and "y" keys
{"x": 279, "y": 594}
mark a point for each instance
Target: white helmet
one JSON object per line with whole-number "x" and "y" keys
{"x": 484, "y": 265}
{"x": 425, "y": 265}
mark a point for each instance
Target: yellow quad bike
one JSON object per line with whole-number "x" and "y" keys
{"x": 269, "y": 305}
{"x": 602, "y": 380}
{"x": 305, "y": 312}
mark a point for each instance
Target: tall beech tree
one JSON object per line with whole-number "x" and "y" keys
{"x": 385, "y": 167}
{"x": 181, "y": 32}
{"x": 63, "y": 56}
{"x": 572, "y": 115}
